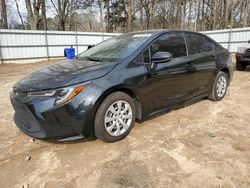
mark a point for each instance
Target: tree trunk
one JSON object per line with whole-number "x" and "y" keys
{"x": 147, "y": 13}
{"x": 189, "y": 13}
{"x": 152, "y": 13}
{"x": 4, "y": 21}
{"x": 203, "y": 16}
{"x": 44, "y": 14}
{"x": 179, "y": 14}
{"x": 198, "y": 16}
{"x": 33, "y": 14}
{"x": 225, "y": 14}
{"x": 141, "y": 14}
{"x": 246, "y": 15}
{"x": 183, "y": 18}
{"x": 214, "y": 18}
{"x": 108, "y": 29}
{"x": 100, "y": 10}
{"x": 19, "y": 14}
{"x": 129, "y": 19}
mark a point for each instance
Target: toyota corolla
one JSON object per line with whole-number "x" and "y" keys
{"x": 126, "y": 78}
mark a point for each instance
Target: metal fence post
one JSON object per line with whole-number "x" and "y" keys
{"x": 229, "y": 39}
{"x": 46, "y": 43}
{"x": 1, "y": 57}
{"x": 76, "y": 37}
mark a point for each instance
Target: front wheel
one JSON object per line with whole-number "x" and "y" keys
{"x": 115, "y": 117}
{"x": 219, "y": 87}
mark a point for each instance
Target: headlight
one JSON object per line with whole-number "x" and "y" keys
{"x": 241, "y": 50}
{"x": 62, "y": 95}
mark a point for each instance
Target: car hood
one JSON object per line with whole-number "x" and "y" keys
{"x": 63, "y": 74}
{"x": 245, "y": 46}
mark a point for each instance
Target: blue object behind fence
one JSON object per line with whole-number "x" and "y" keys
{"x": 70, "y": 53}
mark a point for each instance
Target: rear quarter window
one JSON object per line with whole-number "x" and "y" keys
{"x": 209, "y": 44}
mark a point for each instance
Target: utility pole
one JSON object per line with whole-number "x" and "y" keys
{"x": 231, "y": 28}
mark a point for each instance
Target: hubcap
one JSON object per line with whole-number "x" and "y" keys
{"x": 118, "y": 118}
{"x": 221, "y": 86}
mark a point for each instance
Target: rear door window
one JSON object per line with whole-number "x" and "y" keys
{"x": 195, "y": 43}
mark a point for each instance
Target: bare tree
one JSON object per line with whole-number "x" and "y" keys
{"x": 62, "y": 8}
{"x": 66, "y": 11}
{"x": 33, "y": 13}
{"x": 130, "y": 15}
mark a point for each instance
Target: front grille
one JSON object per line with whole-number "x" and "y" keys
{"x": 24, "y": 119}
{"x": 25, "y": 125}
{"x": 247, "y": 53}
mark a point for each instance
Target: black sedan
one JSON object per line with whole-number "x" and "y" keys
{"x": 126, "y": 78}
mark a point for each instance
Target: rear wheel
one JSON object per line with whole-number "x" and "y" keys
{"x": 219, "y": 87}
{"x": 115, "y": 117}
{"x": 240, "y": 66}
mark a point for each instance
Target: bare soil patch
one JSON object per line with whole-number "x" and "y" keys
{"x": 206, "y": 144}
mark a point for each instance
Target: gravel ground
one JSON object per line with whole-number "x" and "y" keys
{"x": 206, "y": 144}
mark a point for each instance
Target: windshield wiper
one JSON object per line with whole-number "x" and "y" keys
{"x": 94, "y": 59}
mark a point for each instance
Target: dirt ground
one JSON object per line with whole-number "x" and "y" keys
{"x": 206, "y": 144}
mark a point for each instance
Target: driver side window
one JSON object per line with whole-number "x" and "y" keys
{"x": 170, "y": 42}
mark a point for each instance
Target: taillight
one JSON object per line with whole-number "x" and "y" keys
{"x": 238, "y": 54}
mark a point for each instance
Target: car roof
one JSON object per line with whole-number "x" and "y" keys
{"x": 161, "y": 31}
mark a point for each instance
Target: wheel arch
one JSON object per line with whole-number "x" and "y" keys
{"x": 128, "y": 91}
{"x": 226, "y": 71}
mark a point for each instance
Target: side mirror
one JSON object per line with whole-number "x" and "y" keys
{"x": 162, "y": 57}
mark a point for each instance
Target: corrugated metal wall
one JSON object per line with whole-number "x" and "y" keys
{"x": 19, "y": 46}
{"x": 230, "y": 39}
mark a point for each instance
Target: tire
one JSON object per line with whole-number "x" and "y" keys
{"x": 111, "y": 122}
{"x": 217, "y": 94}
{"x": 240, "y": 66}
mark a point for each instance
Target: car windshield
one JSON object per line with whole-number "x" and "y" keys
{"x": 115, "y": 49}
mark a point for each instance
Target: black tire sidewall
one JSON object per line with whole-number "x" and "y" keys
{"x": 240, "y": 66}
{"x": 100, "y": 130}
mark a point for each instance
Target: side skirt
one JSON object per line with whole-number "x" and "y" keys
{"x": 179, "y": 105}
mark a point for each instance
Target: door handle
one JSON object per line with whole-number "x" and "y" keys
{"x": 190, "y": 67}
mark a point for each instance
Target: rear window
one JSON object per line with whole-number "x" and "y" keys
{"x": 195, "y": 44}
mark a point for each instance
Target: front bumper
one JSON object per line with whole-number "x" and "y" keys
{"x": 40, "y": 118}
